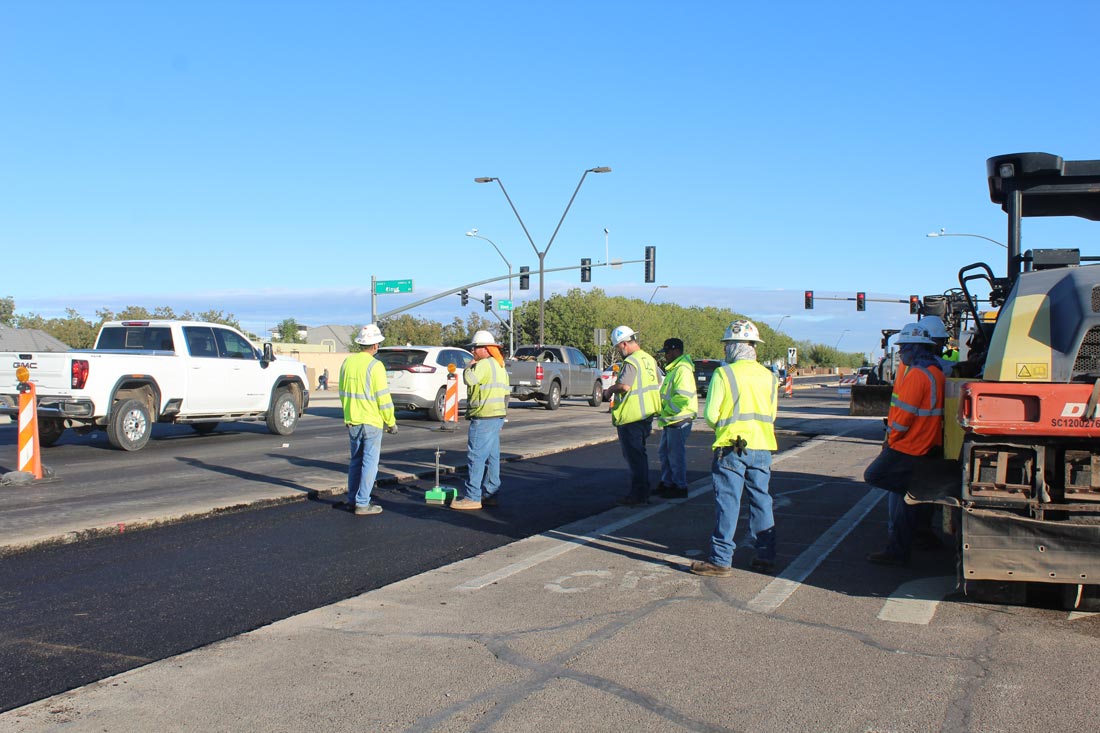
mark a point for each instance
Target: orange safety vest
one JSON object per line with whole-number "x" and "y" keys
{"x": 916, "y": 410}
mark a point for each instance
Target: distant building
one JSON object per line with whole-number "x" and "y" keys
{"x": 29, "y": 339}
{"x": 337, "y": 338}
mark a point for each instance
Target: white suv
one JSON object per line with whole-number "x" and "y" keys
{"x": 418, "y": 375}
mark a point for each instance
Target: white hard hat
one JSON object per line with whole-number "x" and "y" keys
{"x": 369, "y": 335}
{"x": 742, "y": 330}
{"x": 622, "y": 333}
{"x": 934, "y": 326}
{"x": 484, "y": 338}
{"x": 914, "y": 333}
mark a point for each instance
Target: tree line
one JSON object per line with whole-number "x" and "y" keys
{"x": 571, "y": 319}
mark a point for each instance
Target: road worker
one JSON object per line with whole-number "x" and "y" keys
{"x": 368, "y": 408}
{"x": 487, "y": 393}
{"x": 679, "y": 406}
{"x": 914, "y": 431}
{"x": 742, "y": 402}
{"x": 637, "y": 400}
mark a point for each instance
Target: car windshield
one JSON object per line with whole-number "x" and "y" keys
{"x": 394, "y": 359}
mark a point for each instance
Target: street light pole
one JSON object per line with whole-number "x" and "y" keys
{"x": 942, "y": 233}
{"x": 542, "y": 255}
{"x": 780, "y": 323}
{"x": 654, "y": 294}
{"x": 511, "y": 329}
{"x": 837, "y": 347}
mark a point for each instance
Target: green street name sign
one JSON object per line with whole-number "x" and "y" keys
{"x": 504, "y": 305}
{"x": 392, "y": 286}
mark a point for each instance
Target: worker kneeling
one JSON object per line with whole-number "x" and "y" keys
{"x": 741, "y": 407}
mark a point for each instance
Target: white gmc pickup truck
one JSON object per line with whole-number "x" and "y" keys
{"x": 142, "y": 372}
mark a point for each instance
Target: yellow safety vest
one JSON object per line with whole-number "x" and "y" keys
{"x": 487, "y": 389}
{"x": 742, "y": 402}
{"x": 644, "y": 398}
{"x": 679, "y": 400}
{"x": 365, "y": 391}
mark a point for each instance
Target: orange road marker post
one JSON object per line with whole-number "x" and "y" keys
{"x": 450, "y": 401}
{"x": 30, "y": 450}
{"x": 790, "y": 386}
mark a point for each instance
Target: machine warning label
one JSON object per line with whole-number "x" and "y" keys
{"x": 1031, "y": 371}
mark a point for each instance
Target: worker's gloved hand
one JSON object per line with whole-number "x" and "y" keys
{"x": 392, "y": 429}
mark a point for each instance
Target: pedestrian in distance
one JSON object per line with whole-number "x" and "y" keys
{"x": 322, "y": 381}
{"x": 741, "y": 406}
{"x": 679, "y": 406}
{"x": 368, "y": 409}
{"x": 487, "y": 393}
{"x": 637, "y": 400}
{"x": 914, "y": 432}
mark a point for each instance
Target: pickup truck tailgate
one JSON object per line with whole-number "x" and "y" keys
{"x": 51, "y": 372}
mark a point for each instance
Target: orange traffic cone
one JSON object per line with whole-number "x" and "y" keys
{"x": 790, "y": 386}
{"x": 30, "y": 451}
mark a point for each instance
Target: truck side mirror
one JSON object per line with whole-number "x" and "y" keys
{"x": 269, "y": 355}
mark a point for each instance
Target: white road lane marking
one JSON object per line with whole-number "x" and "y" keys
{"x": 780, "y": 589}
{"x": 915, "y": 602}
{"x": 560, "y": 547}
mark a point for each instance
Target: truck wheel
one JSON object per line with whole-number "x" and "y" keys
{"x": 553, "y": 397}
{"x": 204, "y": 428}
{"x": 130, "y": 425}
{"x": 282, "y": 418}
{"x": 597, "y": 395}
{"x": 49, "y": 430}
{"x": 439, "y": 407}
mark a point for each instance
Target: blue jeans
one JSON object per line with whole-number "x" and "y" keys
{"x": 731, "y": 474}
{"x": 632, "y": 438}
{"x": 366, "y": 448}
{"x": 891, "y": 471}
{"x": 673, "y": 454}
{"x": 483, "y": 457}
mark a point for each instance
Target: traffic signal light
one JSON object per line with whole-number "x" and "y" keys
{"x": 488, "y": 302}
{"x": 914, "y": 304}
{"x": 861, "y": 301}
{"x": 651, "y": 264}
{"x": 465, "y": 295}
{"x": 809, "y": 300}
{"x": 524, "y": 278}
{"x": 586, "y": 270}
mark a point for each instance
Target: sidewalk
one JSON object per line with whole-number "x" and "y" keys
{"x": 594, "y": 626}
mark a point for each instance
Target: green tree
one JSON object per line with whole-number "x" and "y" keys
{"x": 7, "y": 310}
{"x": 287, "y": 331}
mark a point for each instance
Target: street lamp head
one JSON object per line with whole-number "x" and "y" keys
{"x": 940, "y": 233}
{"x": 601, "y": 169}
{"x": 472, "y": 233}
{"x": 484, "y": 179}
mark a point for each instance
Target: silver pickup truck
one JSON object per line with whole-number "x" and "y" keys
{"x": 549, "y": 373}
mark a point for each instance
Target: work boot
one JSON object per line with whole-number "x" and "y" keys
{"x": 703, "y": 567}
{"x": 361, "y": 510}
{"x": 662, "y": 488}
{"x": 885, "y": 557}
{"x": 675, "y": 492}
{"x": 489, "y": 500}
{"x": 466, "y": 505}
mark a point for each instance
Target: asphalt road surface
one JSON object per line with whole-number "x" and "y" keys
{"x": 78, "y": 613}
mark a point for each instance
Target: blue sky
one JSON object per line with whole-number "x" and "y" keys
{"x": 267, "y": 158}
